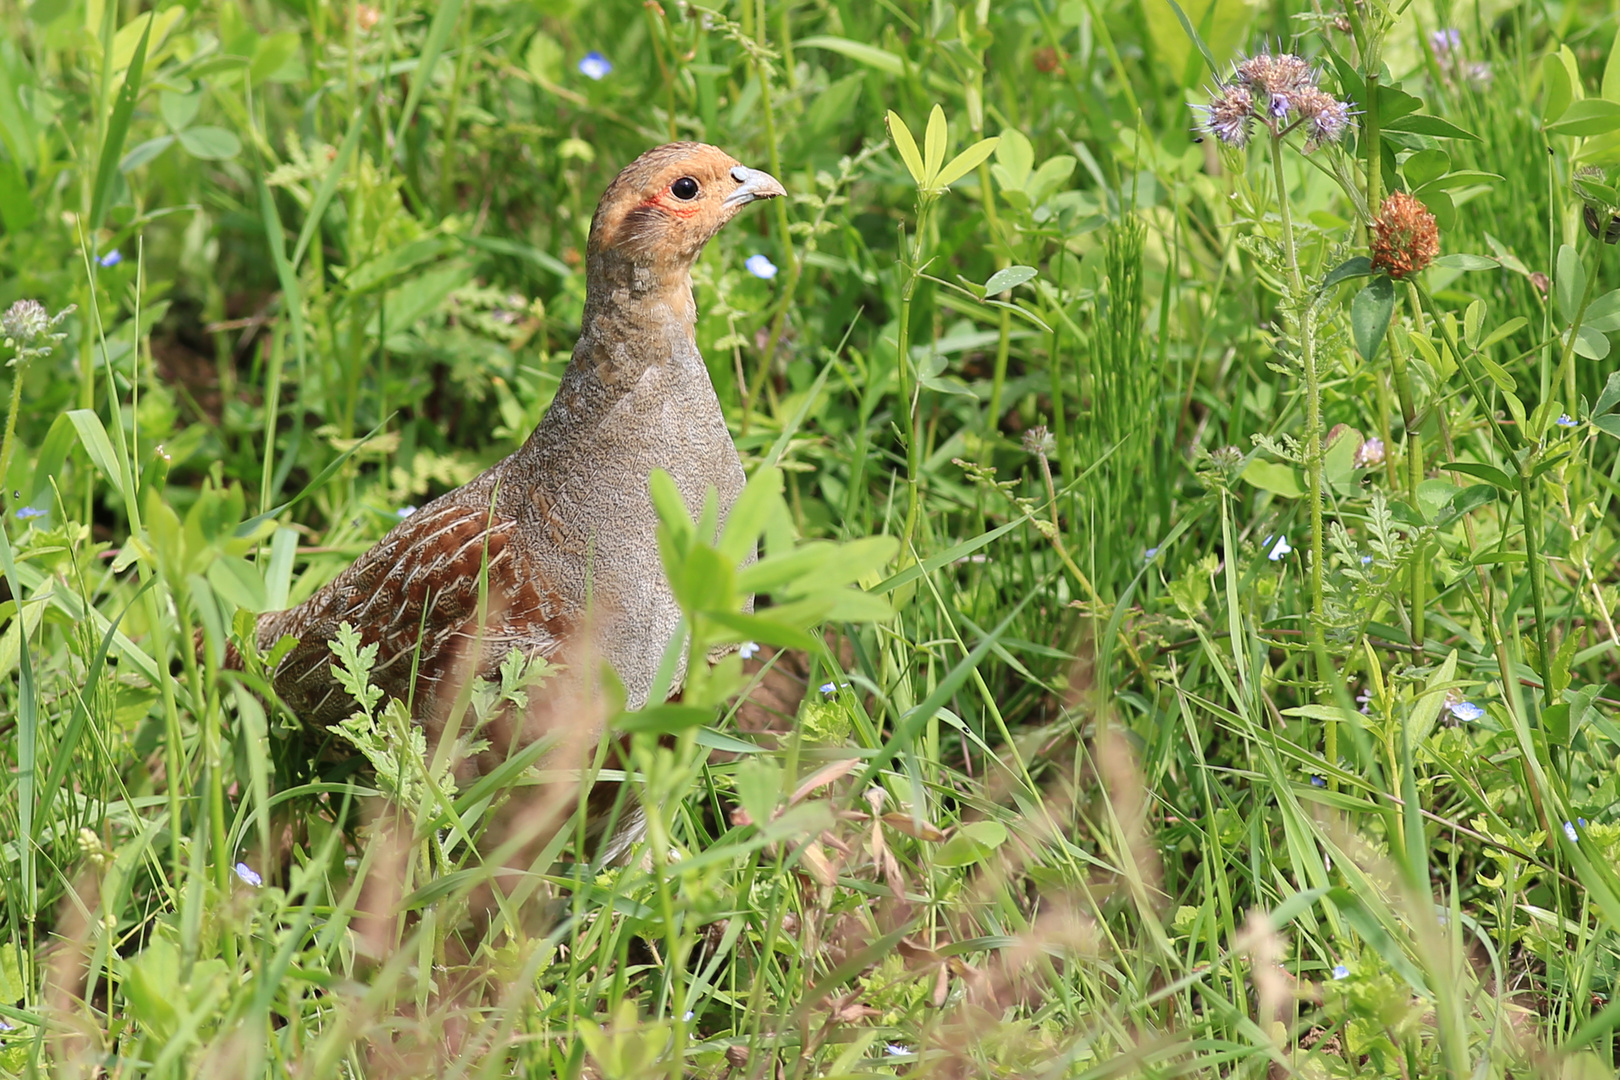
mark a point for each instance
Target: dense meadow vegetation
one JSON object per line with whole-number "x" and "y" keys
{"x": 1196, "y": 651}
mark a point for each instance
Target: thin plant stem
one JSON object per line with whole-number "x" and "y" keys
{"x": 8, "y": 444}
{"x": 1414, "y": 471}
{"x": 908, "y": 403}
{"x": 1313, "y": 437}
{"x": 790, "y": 258}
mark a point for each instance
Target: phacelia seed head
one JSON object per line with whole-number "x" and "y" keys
{"x": 1228, "y": 115}
{"x": 1325, "y": 117}
{"x": 1275, "y": 73}
{"x": 1405, "y": 237}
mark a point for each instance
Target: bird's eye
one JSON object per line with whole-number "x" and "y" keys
{"x": 685, "y": 188}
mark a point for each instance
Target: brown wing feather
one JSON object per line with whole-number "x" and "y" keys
{"x": 415, "y": 595}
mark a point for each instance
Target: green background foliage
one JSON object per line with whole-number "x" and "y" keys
{"x": 1106, "y": 755}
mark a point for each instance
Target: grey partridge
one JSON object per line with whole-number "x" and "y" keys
{"x": 564, "y": 529}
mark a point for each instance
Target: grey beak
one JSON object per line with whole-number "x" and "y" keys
{"x": 752, "y": 184}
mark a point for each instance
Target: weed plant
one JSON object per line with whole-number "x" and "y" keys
{"x": 1186, "y": 478}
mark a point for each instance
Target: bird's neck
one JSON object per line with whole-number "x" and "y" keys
{"x": 631, "y": 300}
{"x": 636, "y": 342}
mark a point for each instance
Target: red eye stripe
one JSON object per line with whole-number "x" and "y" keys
{"x": 669, "y": 204}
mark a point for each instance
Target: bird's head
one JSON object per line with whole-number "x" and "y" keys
{"x": 660, "y": 211}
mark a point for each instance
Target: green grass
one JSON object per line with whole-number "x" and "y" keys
{"x": 1092, "y": 793}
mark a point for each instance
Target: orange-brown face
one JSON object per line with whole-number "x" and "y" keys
{"x": 667, "y": 203}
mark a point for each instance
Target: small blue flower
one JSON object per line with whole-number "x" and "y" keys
{"x": 1569, "y": 831}
{"x": 748, "y": 650}
{"x": 593, "y": 65}
{"x": 688, "y": 1015}
{"x": 1317, "y": 781}
{"x": 1467, "y": 711}
{"x": 405, "y": 511}
{"x": 112, "y": 258}
{"x": 897, "y": 1050}
{"x": 1340, "y": 971}
{"x": 4, "y": 1026}
{"x": 1581, "y": 822}
{"x": 1565, "y": 420}
{"x": 248, "y": 874}
{"x": 1366, "y": 560}
{"x": 829, "y": 688}
{"x": 1147, "y": 556}
{"x": 760, "y": 267}
{"x": 27, "y": 512}
{"x": 1444, "y": 42}
{"x": 1279, "y": 549}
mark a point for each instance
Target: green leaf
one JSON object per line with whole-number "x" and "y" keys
{"x": 1610, "y": 395}
{"x": 17, "y": 210}
{"x": 1193, "y": 36}
{"x": 1275, "y": 477}
{"x": 1339, "y": 459}
{"x": 1611, "y": 70}
{"x": 419, "y": 296}
{"x": 1469, "y": 498}
{"x": 1433, "y": 126}
{"x": 906, "y": 146}
{"x": 965, "y": 162}
{"x": 1507, "y": 329}
{"x": 444, "y": 20}
{"x": 1498, "y": 374}
{"x": 179, "y": 110}
{"x": 663, "y": 719}
{"x": 934, "y": 143}
{"x": 1015, "y": 159}
{"x": 759, "y": 787}
{"x": 1559, "y": 81}
{"x": 1473, "y": 319}
{"x": 1463, "y": 261}
{"x": 1594, "y": 116}
{"x": 671, "y": 508}
{"x": 1603, "y": 314}
{"x": 395, "y": 261}
{"x": 870, "y": 55}
{"x": 210, "y": 143}
{"x": 1009, "y": 277}
{"x": 94, "y": 438}
{"x": 1456, "y": 179}
{"x": 971, "y": 843}
{"x": 1425, "y": 166}
{"x": 1488, "y": 473}
{"x": 275, "y": 59}
{"x": 146, "y": 152}
{"x": 1370, "y": 312}
{"x": 1591, "y": 344}
{"x": 543, "y": 59}
{"x": 1355, "y": 267}
{"x": 112, "y": 146}
{"x": 1570, "y": 282}
{"x": 760, "y": 499}
{"x": 329, "y": 183}
{"x": 1609, "y": 423}
{"x": 1427, "y": 708}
